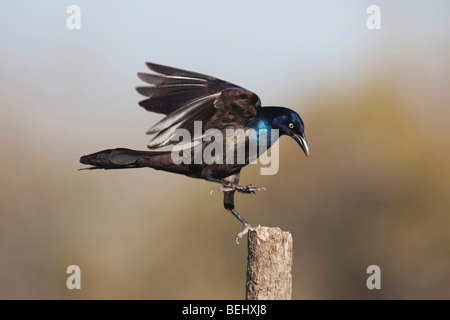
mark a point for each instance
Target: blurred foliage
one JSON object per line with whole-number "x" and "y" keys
{"x": 375, "y": 190}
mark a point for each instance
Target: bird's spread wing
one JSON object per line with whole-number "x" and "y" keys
{"x": 186, "y": 96}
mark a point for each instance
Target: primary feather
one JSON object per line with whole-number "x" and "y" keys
{"x": 186, "y": 96}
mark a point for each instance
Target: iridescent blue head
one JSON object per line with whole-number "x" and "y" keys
{"x": 287, "y": 121}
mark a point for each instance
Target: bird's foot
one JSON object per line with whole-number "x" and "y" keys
{"x": 242, "y": 189}
{"x": 244, "y": 232}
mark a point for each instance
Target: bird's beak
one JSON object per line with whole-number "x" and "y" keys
{"x": 301, "y": 140}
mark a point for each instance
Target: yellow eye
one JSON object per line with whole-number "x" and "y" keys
{"x": 291, "y": 125}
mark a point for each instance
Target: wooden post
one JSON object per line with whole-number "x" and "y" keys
{"x": 269, "y": 264}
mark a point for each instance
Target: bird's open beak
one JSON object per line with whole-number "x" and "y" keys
{"x": 301, "y": 140}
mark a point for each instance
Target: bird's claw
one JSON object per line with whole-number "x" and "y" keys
{"x": 242, "y": 189}
{"x": 249, "y": 189}
{"x": 220, "y": 189}
{"x": 244, "y": 232}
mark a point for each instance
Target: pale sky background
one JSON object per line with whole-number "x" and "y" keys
{"x": 373, "y": 188}
{"x": 279, "y": 50}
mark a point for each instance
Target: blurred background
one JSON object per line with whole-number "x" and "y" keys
{"x": 375, "y": 189}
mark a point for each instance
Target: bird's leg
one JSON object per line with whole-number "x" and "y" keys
{"x": 247, "y": 226}
{"x": 231, "y": 186}
{"x": 228, "y": 202}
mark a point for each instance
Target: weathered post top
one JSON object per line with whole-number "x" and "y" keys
{"x": 269, "y": 264}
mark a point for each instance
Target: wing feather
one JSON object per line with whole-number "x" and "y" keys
{"x": 186, "y": 96}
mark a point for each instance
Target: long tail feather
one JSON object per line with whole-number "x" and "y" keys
{"x": 119, "y": 158}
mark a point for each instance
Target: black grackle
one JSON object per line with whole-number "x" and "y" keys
{"x": 188, "y": 98}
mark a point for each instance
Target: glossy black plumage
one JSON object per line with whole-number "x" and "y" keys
{"x": 186, "y": 97}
